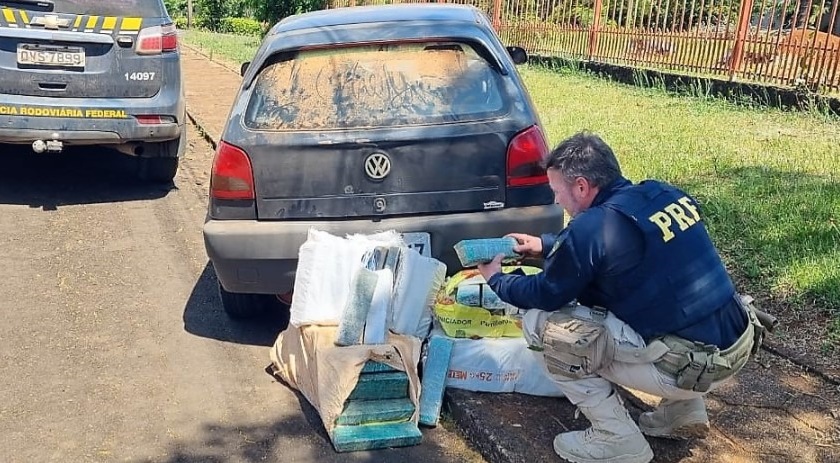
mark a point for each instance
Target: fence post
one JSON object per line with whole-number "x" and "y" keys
{"x": 593, "y": 30}
{"x": 497, "y": 15}
{"x": 740, "y": 37}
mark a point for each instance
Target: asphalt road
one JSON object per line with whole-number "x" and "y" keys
{"x": 114, "y": 345}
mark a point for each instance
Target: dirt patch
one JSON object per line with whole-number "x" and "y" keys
{"x": 804, "y": 335}
{"x": 799, "y": 42}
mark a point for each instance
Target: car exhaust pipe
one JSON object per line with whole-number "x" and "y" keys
{"x": 53, "y": 146}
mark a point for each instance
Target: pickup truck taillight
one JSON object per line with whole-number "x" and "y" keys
{"x": 524, "y": 158}
{"x": 156, "y": 40}
{"x": 232, "y": 176}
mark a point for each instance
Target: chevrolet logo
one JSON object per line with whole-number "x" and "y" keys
{"x": 50, "y": 21}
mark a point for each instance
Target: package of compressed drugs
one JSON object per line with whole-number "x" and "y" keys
{"x": 478, "y": 251}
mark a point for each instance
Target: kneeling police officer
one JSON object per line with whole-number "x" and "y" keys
{"x": 633, "y": 292}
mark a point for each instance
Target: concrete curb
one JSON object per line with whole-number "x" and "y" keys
{"x": 205, "y": 134}
{"x": 202, "y": 128}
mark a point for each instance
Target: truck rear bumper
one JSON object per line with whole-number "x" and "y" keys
{"x": 89, "y": 121}
{"x": 110, "y": 132}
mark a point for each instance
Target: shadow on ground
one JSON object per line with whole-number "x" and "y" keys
{"x": 205, "y": 317}
{"x": 769, "y": 412}
{"x": 76, "y": 176}
{"x": 300, "y": 437}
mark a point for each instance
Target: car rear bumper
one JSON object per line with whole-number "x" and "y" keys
{"x": 78, "y": 121}
{"x": 261, "y": 257}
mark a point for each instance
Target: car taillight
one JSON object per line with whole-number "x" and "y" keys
{"x": 157, "y": 39}
{"x": 524, "y": 158}
{"x": 232, "y": 176}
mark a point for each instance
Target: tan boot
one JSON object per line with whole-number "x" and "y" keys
{"x": 677, "y": 419}
{"x": 612, "y": 438}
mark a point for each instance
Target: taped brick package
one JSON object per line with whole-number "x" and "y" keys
{"x": 477, "y": 251}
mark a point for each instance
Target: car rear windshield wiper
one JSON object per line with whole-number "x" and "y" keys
{"x": 42, "y": 5}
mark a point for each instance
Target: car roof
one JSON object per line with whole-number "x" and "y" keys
{"x": 378, "y": 14}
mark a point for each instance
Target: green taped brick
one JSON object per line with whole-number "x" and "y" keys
{"x": 375, "y": 436}
{"x": 434, "y": 378}
{"x": 479, "y": 251}
{"x": 375, "y": 411}
{"x": 377, "y": 367}
{"x": 352, "y": 323}
{"x": 468, "y": 295}
{"x": 380, "y": 386}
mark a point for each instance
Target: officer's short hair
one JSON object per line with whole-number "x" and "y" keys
{"x": 586, "y": 155}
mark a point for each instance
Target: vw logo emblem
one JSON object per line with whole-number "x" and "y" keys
{"x": 377, "y": 166}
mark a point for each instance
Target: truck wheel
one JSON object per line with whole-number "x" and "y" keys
{"x": 158, "y": 170}
{"x": 241, "y": 305}
{"x": 159, "y": 161}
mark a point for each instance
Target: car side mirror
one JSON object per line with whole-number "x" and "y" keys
{"x": 518, "y": 55}
{"x": 244, "y": 68}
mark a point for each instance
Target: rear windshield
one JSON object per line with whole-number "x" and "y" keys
{"x": 376, "y": 86}
{"x": 141, "y": 8}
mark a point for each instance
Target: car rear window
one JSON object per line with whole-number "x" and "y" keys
{"x": 381, "y": 85}
{"x": 141, "y": 8}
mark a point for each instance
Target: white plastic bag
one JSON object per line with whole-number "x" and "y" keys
{"x": 498, "y": 365}
{"x": 418, "y": 281}
{"x": 376, "y": 324}
{"x": 325, "y": 270}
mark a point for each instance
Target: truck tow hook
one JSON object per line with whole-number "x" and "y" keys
{"x": 52, "y": 146}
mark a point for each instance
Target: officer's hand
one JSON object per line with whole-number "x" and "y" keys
{"x": 530, "y": 246}
{"x": 491, "y": 268}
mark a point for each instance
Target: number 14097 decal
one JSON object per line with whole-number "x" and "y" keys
{"x": 142, "y": 76}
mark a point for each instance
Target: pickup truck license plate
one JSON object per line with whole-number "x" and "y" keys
{"x": 40, "y": 55}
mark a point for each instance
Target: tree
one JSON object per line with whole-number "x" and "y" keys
{"x": 271, "y": 11}
{"x": 824, "y": 16}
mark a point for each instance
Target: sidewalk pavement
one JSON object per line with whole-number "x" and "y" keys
{"x": 773, "y": 411}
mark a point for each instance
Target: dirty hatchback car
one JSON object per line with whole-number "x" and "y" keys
{"x": 355, "y": 120}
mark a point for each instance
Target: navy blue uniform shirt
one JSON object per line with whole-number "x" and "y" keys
{"x": 595, "y": 260}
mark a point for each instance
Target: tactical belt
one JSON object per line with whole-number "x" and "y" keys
{"x": 695, "y": 366}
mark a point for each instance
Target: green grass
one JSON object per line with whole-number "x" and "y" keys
{"x": 769, "y": 181}
{"x": 234, "y": 49}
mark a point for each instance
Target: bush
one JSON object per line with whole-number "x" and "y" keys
{"x": 180, "y": 22}
{"x": 241, "y": 26}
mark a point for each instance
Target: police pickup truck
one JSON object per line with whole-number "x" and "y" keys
{"x": 90, "y": 72}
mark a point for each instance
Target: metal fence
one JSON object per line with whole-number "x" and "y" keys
{"x": 788, "y": 43}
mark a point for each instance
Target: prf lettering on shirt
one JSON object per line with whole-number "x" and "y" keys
{"x": 682, "y": 213}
